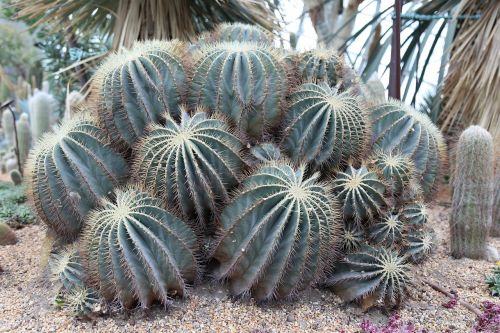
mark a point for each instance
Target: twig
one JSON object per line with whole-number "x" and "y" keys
{"x": 469, "y": 306}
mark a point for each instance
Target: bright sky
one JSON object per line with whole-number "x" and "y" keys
{"x": 293, "y": 10}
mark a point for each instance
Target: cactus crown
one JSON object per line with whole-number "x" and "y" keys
{"x": 266, "y": 152}
{"x": 388, "y": 230}
{"x": 150, "y": 252}
{"x": 191, "y": 164}
{"x": 415, "y": 213}
{"x": 360, "y": 192}
{"x": 396, "y": 169}
{"x": 66, "y": 268}
{"x": 419, "y": 245}
{"x": 234, "y": 32}
{"x": 244, "y": 81}
{"x": 324, "y": 126}
{"x": 352, "y": 236}
{"x": 278, "y": 233}
{"x": 320, "y": 65}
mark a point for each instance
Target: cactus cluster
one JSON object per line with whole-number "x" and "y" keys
{"x": 250, "y": 164}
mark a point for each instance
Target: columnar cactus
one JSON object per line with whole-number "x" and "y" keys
{"x": 360, "y": 192}
{"x": 138, "y": 252}
{"x": 73, "y": 100}
{"x": 136, "y": 87}
{"x": 495, "y": 227}
{"x": 8, "y": 128}
{"x": 191, "y": 164}
{"x": 324, "y": 126}
{"x": 278, "y": 234}
{"x": 372, "y": 272}
{"x": 472, "y": 201}
{"x": 244, "y": 81}
{"x": 69, "y": 171}
{"x": 399, "y": 128}
{"x": 237, "y": 32}
{"x": 41, "y": 110}
{"x": 23, "y": 137}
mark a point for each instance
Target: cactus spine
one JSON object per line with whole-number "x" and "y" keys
{"x": 472, "y": 202}
{"x": 23, "y": 137}
{"x": 41, "y": 109}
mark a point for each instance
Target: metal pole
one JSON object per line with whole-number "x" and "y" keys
{"x": 395, "y": 73}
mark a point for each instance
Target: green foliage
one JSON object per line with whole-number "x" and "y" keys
{"x": 419, "y": 245}
{"x": 246, "y": 82}
{"x": 324, "y": 126}
{"x": 278, "y": 234}
{"x": 374, "y": 273}
{"x": 493, "y": 281}
{"x": 69, "y": 171}
{"x": 399, "y": 128}
{"x": 388, "y": 231}
{"x": 137, "y": 251}
{"x": 136, "y": 87}
{"x": 14, "y": 209}
{"x": 191, "y": 164}
{"x": 360, "y": 192}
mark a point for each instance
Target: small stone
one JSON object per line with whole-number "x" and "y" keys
{"x": 491, "y": 253}
{"x": 290, "y": 318}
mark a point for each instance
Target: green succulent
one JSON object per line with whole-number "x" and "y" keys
{"x": 69, "y": 171}
{"x": 66, "y": 269}
{"x": 266, "y": 152}
{"x": 414, "y": 213}
{"x": 138, "y": 252}
{"x": 374, "y": 272}
{"x": 324, "y": 126}
{"x": 80, "y": 301}
{"x": 320, "y": 65}
{"x": 360, "y": 192}
{"x": 278, "y": 234}
{"x": 419, "y": 244}
{"x": 191, "y": 164}
{"x": 399, "y": 128}
{"x": 396, "y": 169}
{"x": 353, "y": 236}
{"x": 244, "y": 81}
{"x": 388, "y": 230}
{"x": 136, "y": 87}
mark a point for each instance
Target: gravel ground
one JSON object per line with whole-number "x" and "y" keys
{"x": 25, "y": 300}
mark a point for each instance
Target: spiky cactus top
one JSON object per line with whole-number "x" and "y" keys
{"x": 397, "y": 127}
{"x": 244, "y": 81}
{"x": 191, "y": 164}
{"x": 396, "y": 169}
{"x": 138, "y": 252}
{"x": 237, "y": 32}
{"x": 324, "y": 126}
{"x": 137, "y": 87}
{"x": 278, "y": 233}
{"x": 69, "y": 171}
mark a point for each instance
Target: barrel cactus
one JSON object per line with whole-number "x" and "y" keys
{"x": 419, "y": 244}
{"x": 360, "y": 192}
{"x": 324, "y": 126}
{"x": 320, "y": 65}
{"x": 66, "y": 269}
{"x": 399, "y": 128}
{"x": 387, "y": 231}
{"x": 278, "y": 234}
{"x": 191, "y": 164}
{"x": 395, "y": 169}
{"x": 237, "y": 32}
{"x": 138, "y": 252}
{"x": 80, "y": 301}
{"x": 41, "y": 109}
{"x": 353, "y": 236}
{"x": 473, "y": 192}
{"x": 137, "y": 87}
{"x": 266, "y": 152}
{"x": 414, "y": 214}
{"x": 244, "y": 81}
{"x": 69, "y": 171}
{"x": 373, "y": 273}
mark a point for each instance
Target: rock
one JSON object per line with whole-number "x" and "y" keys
{"x": 290, "y": 318}
{"x": 7, "y": 236}
{"x": 491, "y": 253}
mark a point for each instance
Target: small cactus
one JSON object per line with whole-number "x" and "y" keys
{"x": 419, "y": 244}
{"x": 8, "y": 128}
{"x": 23, "y": 137}
{"x": 353, "y": 236}
{"x": 472, "y": 201}
{"x": 241, "y": 32}
{"x": 415, "y": 214}
{"x": 66, "y": 268}
{"x": 80, "y": 301}
{"x": 16, "y": 177}
{"x": 41, "y": 109}
{"x": 396, "y": 170}
{"x": 388, "y": 230}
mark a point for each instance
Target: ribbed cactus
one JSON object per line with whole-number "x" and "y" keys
{"x": 419, "y": 244}
{"x": 374, "y": 92}
{"x": 23, "y": 137}
{"x": 66, "y": 269}
{"x": 138, "y": 252}
{"x": 414, "y": 214}
{"x": 324, "y": 126}
{"x": 266, "y": 152}
{"x": 73, "y": 100}
{"x": 360, "y": 192}
{"x": 137, "y": 87}
{"x": 69, "y": 171}
{"x": 353, "y": 236}
{"x": 80, "y": 301}
{"x": 8, "y": 128}
{"x": 399, "y": 128}
{"x": 374, "y": 273}
{"x": 241, "y": 32}
{"x": 16, "y": 177}
{"x": 278, "y": 234}
{"x": 388, "y": 230}
{"x": 472, "y": 201}
{"x": 244, "y": 81}
{"x": 41, "y": 110}
{"x": 191, "y": 164}
{"x": 395, "y": 169}
{"x": 495, "y": 226}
